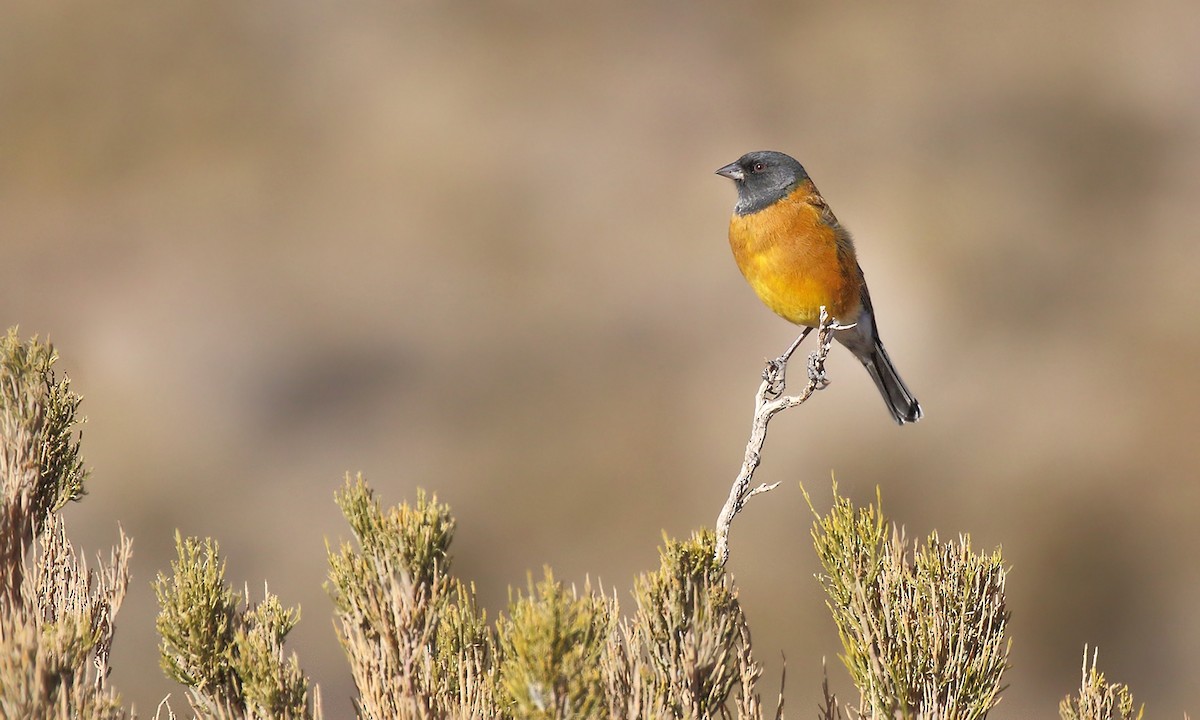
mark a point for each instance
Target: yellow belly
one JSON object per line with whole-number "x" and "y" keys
{"x": 796, "y": 262}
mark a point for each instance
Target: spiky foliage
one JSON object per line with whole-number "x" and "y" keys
{"x": 230, "y": 656}
{"x": 56, "y": 614}
{"x": 56, "y": 633}
{"x": 1097, "y": 698}
{"x": 552, "y": 642}
{"x": 40, "y": 465}
{"x": 685, "y": 652}
{"x": 197, "y": 620}
{"x": 923, "y": 632}
{"x": 417, "y": 645}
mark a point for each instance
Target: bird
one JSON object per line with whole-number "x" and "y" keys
{"x": 793, "y": 251}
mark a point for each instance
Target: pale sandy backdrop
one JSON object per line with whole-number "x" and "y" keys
{"x": 479, "y": 248}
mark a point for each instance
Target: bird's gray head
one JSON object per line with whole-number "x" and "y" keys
{"x": 762, "y": 177}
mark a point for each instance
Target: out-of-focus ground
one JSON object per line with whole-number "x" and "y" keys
{"x": 480, "y": 248}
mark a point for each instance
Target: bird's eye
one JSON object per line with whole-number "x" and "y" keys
{"x": 759, "y": 167}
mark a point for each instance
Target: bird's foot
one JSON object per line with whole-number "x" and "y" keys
{"x": 774, "y": 374}
{"x": 816, "y": 371}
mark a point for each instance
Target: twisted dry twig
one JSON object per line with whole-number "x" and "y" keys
{"x": 767, "y": 402}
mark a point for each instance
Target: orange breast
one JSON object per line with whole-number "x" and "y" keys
{"x": 796, "y": 261}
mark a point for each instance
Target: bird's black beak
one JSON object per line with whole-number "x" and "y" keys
{"x": 733, "y": 171}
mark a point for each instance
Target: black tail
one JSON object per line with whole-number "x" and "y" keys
{"x": 901, "y": 403}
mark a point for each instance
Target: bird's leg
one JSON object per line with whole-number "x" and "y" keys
{"x": 776, "y": 369}
{"x": 788, "y": 354}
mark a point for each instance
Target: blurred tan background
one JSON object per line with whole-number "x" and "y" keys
{"x": 480, "y": 248}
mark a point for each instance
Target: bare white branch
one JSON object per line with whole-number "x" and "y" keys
{"x": 769, "y": 401}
